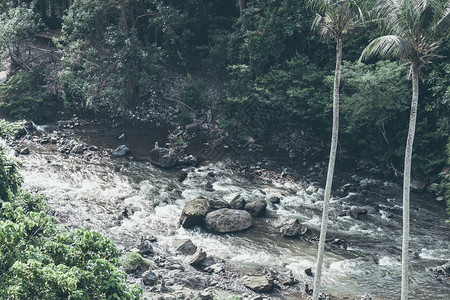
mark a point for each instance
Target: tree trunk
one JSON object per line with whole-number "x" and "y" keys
{"x": 241, "y": 6}
{"x": 407, "y": 177}
{"x": 332, "y": 159}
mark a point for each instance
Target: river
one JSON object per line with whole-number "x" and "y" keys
{"x": 92, "y": 194}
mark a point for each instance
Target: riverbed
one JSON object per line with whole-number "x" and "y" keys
{"x": 93, "y": 193}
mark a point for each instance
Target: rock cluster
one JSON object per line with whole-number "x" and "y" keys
{"x": 219, "y": 216}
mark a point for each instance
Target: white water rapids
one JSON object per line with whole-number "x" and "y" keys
{"x": 92, "y": 194}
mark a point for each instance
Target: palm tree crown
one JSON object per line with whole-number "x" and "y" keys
{"x": 413, "y": 26}
{"x": 336, "y": 18}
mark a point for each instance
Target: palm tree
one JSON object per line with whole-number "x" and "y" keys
{"x": 336, "y": 19}
{"x": 413, "y": 26}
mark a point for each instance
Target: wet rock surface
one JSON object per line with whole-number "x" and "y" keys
{"x": 228, "y": 220}
{"x": 194, "y": 212}
{"x": 163, "y": 157}
{"x": 293, "y": 228}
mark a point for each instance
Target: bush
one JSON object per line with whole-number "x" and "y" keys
{"x": 24, "y": 95}
{"x": 194, "y": 95}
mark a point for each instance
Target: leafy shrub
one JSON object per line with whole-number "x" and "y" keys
{"x": 19, "y": 24}
{"x": 9, "y": 176}
{"x": 194, "y": 95}
{"x": 24, "y": 95}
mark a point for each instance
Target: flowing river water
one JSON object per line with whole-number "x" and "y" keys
{"x": 92, "y": 194}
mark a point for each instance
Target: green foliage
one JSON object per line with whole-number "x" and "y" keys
{"x": 41, "y": 260}
{"x": 19, "y": 24}
{"x": 106, "y": 61}
{"x": 9, "y": 176}
{"x": 24, "y": 95}
{"x": 375, "y": 109}
{"x": 194, "y": 95}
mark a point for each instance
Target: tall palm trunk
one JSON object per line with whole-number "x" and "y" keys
{"x": 407, "y": 177}
{"x": 241, "y": 6}
{"x": 332, "y": 159}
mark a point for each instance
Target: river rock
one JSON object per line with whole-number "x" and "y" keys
{"x": 149, "y": 278}
{"x": 275, "y": 200}
{"x": 78, "y": 149}
{"x": 228, "y": 220}
{"x": 238, "y": 202}
{"x": 218, "y": 203}
{"x": 186, "y": 247}
{"x": 24, "y": 151}
{"x": 182, "y": 176}
{"x": 259, "y": 284}
{"x": 122, "y": 150}
{"x": 256, "y": 208}
{"x": 292, "y": 228}
{"x": 145, "y": 247}
{"x": 163, "y": 157}
{"x": 194, "y": 212}
{"x": 188, "y": 160}
{"x": 357, "y": 213}
{"x": 198, "y": 257}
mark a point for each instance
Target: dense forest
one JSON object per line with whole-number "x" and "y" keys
{"x": 119, "y": 57}
{"x": 117, "y": 54}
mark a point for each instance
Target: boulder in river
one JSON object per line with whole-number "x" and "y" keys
{"x": 185, "y": 247}
{"x": 163, "y": 157}
{"x": 227, "y": 220}
{"x": 145, "y": 247}
{"x": 357, "y": 213}
{"x": 259, "y": 284}
{"x": 198, "y": 257}
{"x": 24, "y": 151}
{"x": 218, "y": 203}
{"x": 275, "y": 200}
{"x": 292, "y": 228}
{"x": 149, "y": 278}
{"x": 194, "y": 212}
{"x": 238, "y": 202}
{"x": 256, "y": 208}
{"x": 122, "y": 150}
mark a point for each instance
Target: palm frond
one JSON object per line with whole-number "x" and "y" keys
{"x": 388, "y": 45}
{"x": 426, "y": 15}
{"x": 443, "y": 25}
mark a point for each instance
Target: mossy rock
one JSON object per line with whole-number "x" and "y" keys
{"x": 134, "y": 263}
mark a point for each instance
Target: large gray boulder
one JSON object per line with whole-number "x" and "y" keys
{"x": 163, "y": 157}
{"x": 259, "y": 284}
{"x": 256, "y": 208}
{"x": 194, "y": 212}
{"x": 228, "y": 220}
